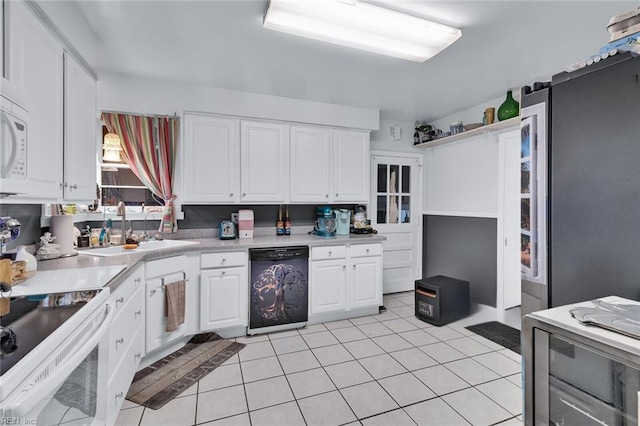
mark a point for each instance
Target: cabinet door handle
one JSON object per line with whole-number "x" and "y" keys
{"x": 367, "y": 251}
{"x": 344, "y": 267}
{"x": 244, "y": 194}
{"x": 136, "y": 313}
{"x": 119, "y": 300}
{"x": 136, "y": 356}
{"x": 74, "y": 186}
{"x": 326, "y": 196}
{"x": 137, "y": 281}
{"x": 336, "y": 194}
{"x": 223, "y": 272}
{"x": 231, "y": 195}
{"x": 354, "y": 267}
{"x": 329, "y": 253}
{"x": 119, "y": 395}
{"x": 62, "y": 185}
{"x": 119, "y": 341}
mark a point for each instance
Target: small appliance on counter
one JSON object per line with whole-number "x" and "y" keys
{"x": 245, "y": 223}
{"x": 325, "y": 225}
{"x": 227, "y": 230}
{"x": 360, "y": 223}
{"x": 343, "y": 221}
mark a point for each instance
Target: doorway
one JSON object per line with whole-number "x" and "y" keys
{"x": 396, "y": 213}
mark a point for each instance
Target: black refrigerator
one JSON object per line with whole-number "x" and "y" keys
{"x": 580, "y": 185}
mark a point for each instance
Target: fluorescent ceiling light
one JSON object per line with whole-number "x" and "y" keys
{"x": 361, "y": 26}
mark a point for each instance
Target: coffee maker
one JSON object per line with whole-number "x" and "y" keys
{"x": 325, "y": 225}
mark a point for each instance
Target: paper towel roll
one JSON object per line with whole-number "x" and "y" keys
{"x": 62, "y": 229}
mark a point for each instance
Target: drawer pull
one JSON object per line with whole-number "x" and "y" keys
{"x": 120, "y": 341}
{"x": 427, "y": 293}
{"x": 344, "y": 267}
{"x": 136, "y": 313}
{"x": 367, "y": 251}
{"x": 329, "y": 253}
{"x": 137, "y": 280}
{"x": 119, "y": 300}
{"x": 222, "y": 261}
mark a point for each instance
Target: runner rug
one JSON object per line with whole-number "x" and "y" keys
{"x": 499, "y": 333}
{"x": 167, "y": 378}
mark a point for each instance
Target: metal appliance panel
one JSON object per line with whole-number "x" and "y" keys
{"x": 279, "y": 291}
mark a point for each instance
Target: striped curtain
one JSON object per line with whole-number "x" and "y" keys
{"x": 149, "y": 145}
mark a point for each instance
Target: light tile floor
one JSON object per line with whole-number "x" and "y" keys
{"x": 387, "y": 369}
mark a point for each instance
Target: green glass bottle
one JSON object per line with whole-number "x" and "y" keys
{"x": 510, "y": 108}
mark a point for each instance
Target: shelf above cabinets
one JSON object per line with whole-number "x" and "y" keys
{"x": 500, "y": 125}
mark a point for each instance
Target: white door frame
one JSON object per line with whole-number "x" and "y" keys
{"x": 502, "y": 238}
{"x": 416, "y": 196}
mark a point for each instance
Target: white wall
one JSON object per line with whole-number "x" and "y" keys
{"x": 382, "y": 139}
{"x": 461, "y": 178}
{"x": 141, "y": 95}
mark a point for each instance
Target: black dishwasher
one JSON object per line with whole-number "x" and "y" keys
{"x": 278, "y": 289}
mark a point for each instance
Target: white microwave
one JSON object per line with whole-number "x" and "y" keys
{"x": 13, "y": 147}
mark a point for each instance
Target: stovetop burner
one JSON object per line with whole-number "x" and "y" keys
{"x": 34, "y": 318}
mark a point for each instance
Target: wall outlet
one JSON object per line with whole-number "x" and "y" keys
{"x": 396, "y": 133}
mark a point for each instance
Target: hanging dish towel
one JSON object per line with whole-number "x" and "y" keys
{"x": 174, "y": 304}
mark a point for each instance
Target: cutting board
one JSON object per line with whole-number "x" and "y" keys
{"x": 5, "y": 277}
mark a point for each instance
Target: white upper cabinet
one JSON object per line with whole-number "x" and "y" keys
{"x": 211, "y": 165}
{"x": 310, "y": 173}
{"x": 263, "y": 162}
{"x": 80, "y": 124}
{"x": 350, "y": 166}
{"x": 236, "y": 161}
{"x": 35, "y": 67}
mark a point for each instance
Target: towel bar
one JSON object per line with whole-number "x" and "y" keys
{"x": 163, "y": 285}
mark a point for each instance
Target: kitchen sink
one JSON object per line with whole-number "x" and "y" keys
{"x": 144, "y": 246}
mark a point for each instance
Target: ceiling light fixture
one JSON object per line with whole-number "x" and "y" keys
{"x": 361, "y": 26}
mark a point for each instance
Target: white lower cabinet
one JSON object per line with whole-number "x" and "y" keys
{"x": 366, "y": 282}
{"x": 224, "y": 290}
{"x": 126, "y": 340}
{"x": 328, "y": 292}
{"x": 158, "y": 274}
{"x": 342, "y": 280}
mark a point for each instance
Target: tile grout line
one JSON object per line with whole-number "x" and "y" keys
{"x": 385, "y": 352}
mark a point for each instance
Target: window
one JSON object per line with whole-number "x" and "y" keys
{"x": 119, "y": 183}
{"x": 393, "y": 194}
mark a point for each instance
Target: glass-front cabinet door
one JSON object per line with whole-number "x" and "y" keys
{"x": 393, "y": 194}
{"x": 586, "y": 387}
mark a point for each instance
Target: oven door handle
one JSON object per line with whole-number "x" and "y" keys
{"x": 32, "y": 395}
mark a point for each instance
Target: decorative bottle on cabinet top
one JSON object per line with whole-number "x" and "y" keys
{"x": 510, "y": 108}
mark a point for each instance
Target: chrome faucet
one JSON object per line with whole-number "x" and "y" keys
{"x": 122, "y": 211}
{"x": 145, "y": 236}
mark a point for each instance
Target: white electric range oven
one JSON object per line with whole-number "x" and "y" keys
{"x": 53, "y": 357}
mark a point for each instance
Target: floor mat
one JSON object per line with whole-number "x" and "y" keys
{"x": 499, "y": 333}
{"x": 168, "y": 377}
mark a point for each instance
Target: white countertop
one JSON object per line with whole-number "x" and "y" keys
{"x": 67, "y": 280}
{"x": 86, "y": 272}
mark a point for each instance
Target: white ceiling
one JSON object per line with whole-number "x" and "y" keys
{"x": 504, "y": 44}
